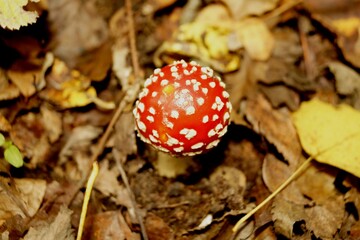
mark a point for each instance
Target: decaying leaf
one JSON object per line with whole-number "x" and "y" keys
{"x": 257, "y": 39}
{"x": 69, "y": 88}
{"x": 13, "y": 16}
{"x": 68, "y": 20}
{"x": 330, "y": 134}
{"x": 31, "y": 192}
{"x": 347, "y": 82}
{"x": 157, "y": 229}
{"x": 321, "y": 216}
{"x": 213, "y": 36}
{"x": 342, "y": 18}
{"x": 108, "y": 225}
{"x": 245, "y": 8}
{"x": 79, "y": 139}
{"x": 204, "y": 39}
{"x": 4, "y": 124}
{"x": 276, "y": 126}
{"x": 347, "y": 79}
{"x": 59, "y": 228}
{"x": 107, "y": 183}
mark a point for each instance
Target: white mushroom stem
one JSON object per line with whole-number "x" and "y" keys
{"x": 170, "y": 166}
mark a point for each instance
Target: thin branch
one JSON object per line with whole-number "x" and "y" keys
{"x": 298, "y": 171}
{"x": 131, "y": 194}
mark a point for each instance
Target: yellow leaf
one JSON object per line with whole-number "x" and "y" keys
{"x": 13, "y": 16}
{"x": 330, "y": 134}
{"x": 346, "y": 26}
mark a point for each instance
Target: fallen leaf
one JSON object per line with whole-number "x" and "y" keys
{"x": 276, "y": 126}
{"x": 31, "y": 192}
{"x": 285, "y": 215}
{"x": 276, "y": 172}
{"x": 245, "y": 8}
{"x": 280, "y": 95}
{"x": 125, "y": 140}
{"x": 59, "y": 228}
{"x": 5, "y": 126}
{"x": 325, "y": 219}
{"x": 80, "y": 138}
{"x": 107, "y": 183}
{"x": 13, "y": 16}
{"x": 78, "y": 28}
{"x": 256, "y": 38}
{"x": 157, "y": 229}
{"x": 52, "y": 124}
{"x": 70, "y": 88}
{"x": 24, "y": 81}
{"x": 108, "y": 225}
{"x": 321, "y": 216}
{"x": 330, "y": 134}
{"x": 347, "y": 79}
{"x": 204, "y": 39}
{"x": 8, "y": 90}
{"x": 342, "y": 18}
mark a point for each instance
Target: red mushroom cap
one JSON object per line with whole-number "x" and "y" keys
{"x": 183, "y": 109}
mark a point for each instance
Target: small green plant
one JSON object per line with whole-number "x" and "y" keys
{"x": 11, "y": 152}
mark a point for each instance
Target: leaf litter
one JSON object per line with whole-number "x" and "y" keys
{"x": 292, "y": 71}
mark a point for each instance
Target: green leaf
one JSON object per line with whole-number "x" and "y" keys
{"x": 2, "y": 139}
{"x": 13, "y": 156}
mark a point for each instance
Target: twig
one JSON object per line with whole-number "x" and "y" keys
{"x": 298, "y": 171}
{"x": 89, "y": 186}
{"x": 129, "y": 97}
{"x": 132, "y": 39}
{"x": 131, "y": 194}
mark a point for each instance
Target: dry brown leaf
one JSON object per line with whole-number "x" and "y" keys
{"x": 81, "y": 138}
{"x": 31, "y": 192}
{"x": 276, "y": 172}
{"x": 280, "y": 95}
{"x": 107, "y": 183}
{"x": 347, "y": 79}
{"x": 342, "y": 18}
{"x": 347, "y": 82}
{"x": 7, "y": 90}
{"x": 27, "y": 131}
{"x": 322, "y": 216}
{"x": 325, "y": 219}
{"x": 52, "y": 123}
{"x": 285, "y": 215}
{"x": 25, "y": 81}
{"x": 157, "y": 229}
{"x": 125, "y": 140}
{"x": 255, "y": 37}
{"x": 276, "y": 126}
{"x": 5, "y": 126}
{"x": 68, "y": 19}
{"x": 108, "y": 225}
{"x": 59, "y": 228}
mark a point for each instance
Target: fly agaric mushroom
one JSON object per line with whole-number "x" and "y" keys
{"x": 183, "y": 109}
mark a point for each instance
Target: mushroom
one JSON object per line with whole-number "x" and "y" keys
{"x": 183, "y": 109}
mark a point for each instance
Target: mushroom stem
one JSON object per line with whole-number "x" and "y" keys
{"x": 171, "y": 166}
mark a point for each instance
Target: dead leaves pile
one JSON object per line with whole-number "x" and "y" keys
{"x": 293, "y": 97}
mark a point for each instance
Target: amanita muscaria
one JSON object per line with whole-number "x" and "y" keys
{"x": 183, "y": 109}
